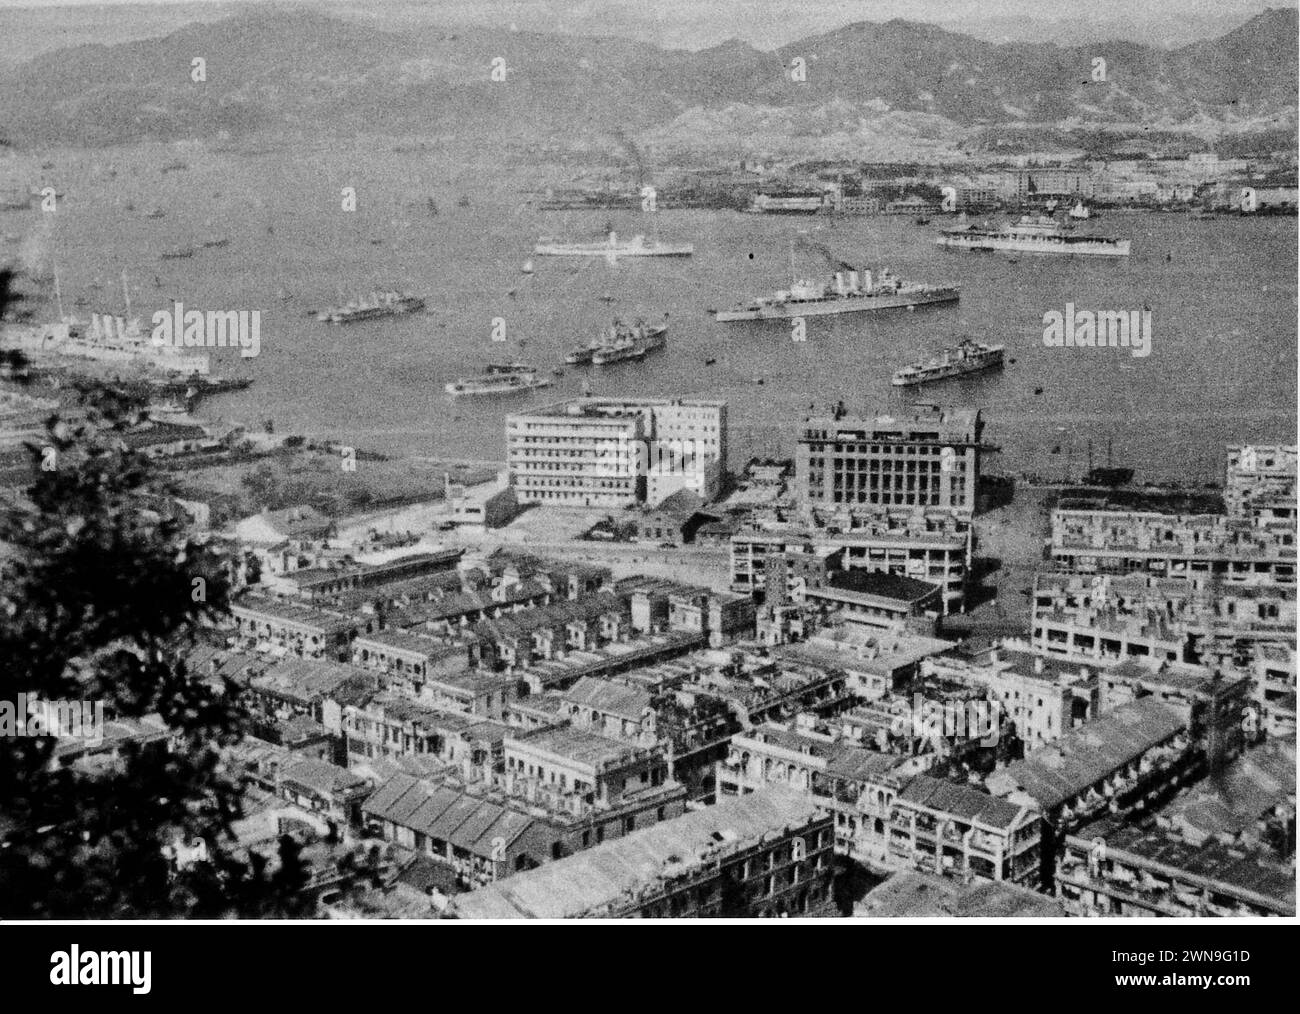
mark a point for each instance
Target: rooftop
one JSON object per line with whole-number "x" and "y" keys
{"x": 602, "y": 880}
{"x": 303, "y": 679}
{"x": 576, "y": 745}
{"x": 881, "y": 585}
{"x": 1059, "y": 771}
{"x": 608, "y": 697}
{"x": 447, "y": 814}
{"x": 963, "y": 801}
{"x": 924, "y": 896}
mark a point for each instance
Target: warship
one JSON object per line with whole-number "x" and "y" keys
{"x": 847, "y": 292}
{"x": 1041, "y": 235}
{"x": 967, "y": 356}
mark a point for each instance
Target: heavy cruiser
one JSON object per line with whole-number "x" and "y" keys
{"x": 498, "y": 378}
{"x": 967, "y": 356}
{"x": 847, "y": 292}
{"x": 612, "y": 246}
{"x": 378, "y": 304}
{"x": 1041, "y": 235}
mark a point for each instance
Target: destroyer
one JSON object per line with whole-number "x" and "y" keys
{"x": 967, "y": 356}
{"x": 1041, "y": 235}
{"x": 612, "y": 246}
{"x": 498, "y": 378}
{"x": 847, "y": 292}
{"x": 376, "y": 305}
{"x": 620, "y": 342}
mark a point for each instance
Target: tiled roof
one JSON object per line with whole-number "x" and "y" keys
{"x": 601, "y": 880}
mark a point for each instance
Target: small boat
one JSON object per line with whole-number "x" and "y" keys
{"x": 527, "y": 268}
{"x": 498, "y": 378}
{"x": 709, "y": 361}
{"x": 178, "y": 253}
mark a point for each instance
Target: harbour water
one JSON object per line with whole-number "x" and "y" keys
{"x": 1221, "y": 295}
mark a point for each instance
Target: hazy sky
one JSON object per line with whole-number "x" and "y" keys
{"x": 875, "y": 10}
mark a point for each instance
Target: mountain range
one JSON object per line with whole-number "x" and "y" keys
{"x": 306, "y": 72}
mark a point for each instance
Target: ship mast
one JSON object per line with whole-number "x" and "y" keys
{"x": 126, "y": 294}
{"x": 58, "y": 292}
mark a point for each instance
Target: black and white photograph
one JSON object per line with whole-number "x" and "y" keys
{"x": 752, "y": 461}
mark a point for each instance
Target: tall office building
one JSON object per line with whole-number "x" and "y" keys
{"x": 925, "y": 459}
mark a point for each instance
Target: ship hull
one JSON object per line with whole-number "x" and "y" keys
{"x": 947, "y": 373}
{"x": 605, "y": 250}
{"x": 1003, "y": 244}
{"x": 459, "y": 390}
{"x": 787, "y": 311}
{"x": 371, "y": 313}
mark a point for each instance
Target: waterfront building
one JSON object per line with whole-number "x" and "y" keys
{"x": 1260, "y": 481}
{"x": 925, "y": 459}
{"x": 611, "y": 452}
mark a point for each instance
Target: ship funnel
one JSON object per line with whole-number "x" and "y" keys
{"x": 94, "y": 325}
{"x": 853, "y": 281}
{"x": 613, "y": 238}
{"x": 839, "y": 282}
{"x": 866, "y": 280}
{"x": 121, "y": 326}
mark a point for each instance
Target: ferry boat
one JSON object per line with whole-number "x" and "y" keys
{"x": 498, "y": 378}
{"x": 636, "y": 246}
{"x": 848, "y": 292}
{"x": 1042, "y": 235}
{"x": 967, "y": 356}
{"x": 374, "y": 306}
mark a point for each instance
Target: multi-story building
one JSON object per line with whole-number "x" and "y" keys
{"x": 879, "y": 600}
{"x": 764, "y": 854}
{"x": 935, "y": 550}
{"x": 608, "y": 452}
{"x": 287, "y": 626}
{"x": 1194, "y": 547}
{"x": 939, "y": 827}
{"x": 1110, "y": 617}
{"x": 1044, "y": 698}
{"x": 924, "y": 459}
{"x": 856, "y": 784}
{"x": 1051, "y": 181}
{"x": 1121, "y": 763}
{"x": 584, "y": 768}
{"x": 1110, "y": 869}
{"x": 1261, "y": 481}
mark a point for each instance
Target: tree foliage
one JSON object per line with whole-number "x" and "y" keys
{"x": 98, "y": 598}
